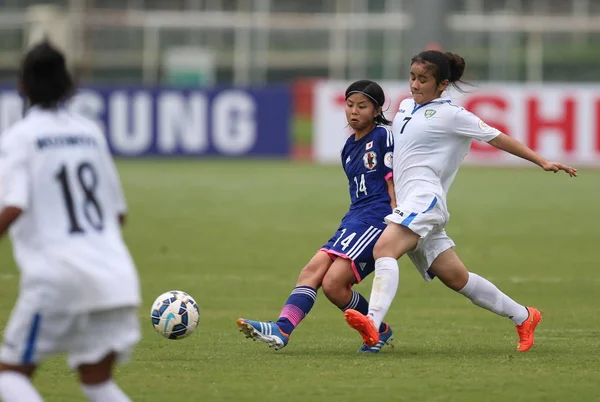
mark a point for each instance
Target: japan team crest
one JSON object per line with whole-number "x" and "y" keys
{"x": 370, "y": 159}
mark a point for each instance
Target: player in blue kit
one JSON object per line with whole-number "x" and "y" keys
{"x": 347, "y": 258}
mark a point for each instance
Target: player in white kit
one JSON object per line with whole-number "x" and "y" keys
{"x": 61, "y": 199}
{"x": 431, "y": 138}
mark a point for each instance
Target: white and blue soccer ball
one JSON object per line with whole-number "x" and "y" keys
{"x": 175, "y": 314}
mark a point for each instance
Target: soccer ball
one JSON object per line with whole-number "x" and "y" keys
{"x": 175, "y": 314}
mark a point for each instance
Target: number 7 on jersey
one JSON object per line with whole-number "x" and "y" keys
{"x": 405, "y": 120}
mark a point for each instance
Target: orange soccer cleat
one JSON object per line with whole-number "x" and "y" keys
{"x": 526, "y": 329}
{"x": 364, "y": 325}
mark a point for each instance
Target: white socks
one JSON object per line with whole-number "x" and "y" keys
{"x": 385, "y": 285}
{"x": 16, "y": 387}
{"x": 482, "y": 293}
{"x": 485, "y": 294}
{"x": 105, "y": 392}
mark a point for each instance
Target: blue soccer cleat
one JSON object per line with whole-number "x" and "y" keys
{"x": 384, "y": 338}
{"x": 267, "y": 332}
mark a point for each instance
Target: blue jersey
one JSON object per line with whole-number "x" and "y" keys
{"x": 368, "y": 165}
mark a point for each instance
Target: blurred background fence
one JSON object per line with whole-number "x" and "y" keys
{"x": 129, "y": 53}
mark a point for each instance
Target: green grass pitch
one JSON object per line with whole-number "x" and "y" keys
{"x": 234, "y": 234}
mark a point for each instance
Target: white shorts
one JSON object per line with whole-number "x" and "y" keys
{"x": 428, "y": 249}
{"x": 427, "y": 216}
{"x": 87, "y": 338}
{"x": 423, "y": 214}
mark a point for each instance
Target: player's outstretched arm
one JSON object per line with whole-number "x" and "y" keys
{"x": 7, "y": 216}
{"x": 510, "y": 145}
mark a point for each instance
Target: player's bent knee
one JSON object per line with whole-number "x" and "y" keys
{"x": 395, "y": 241}
{"x": 97, "y": 373}
{"x": 334, "y": 289}
{"x": 332, "y": 285}
{"x": 455, "y": 282}
{"x": 27, "y": 370}
{"x": 381, "y": 249}
{"x": 450, "y": 270}
{"x": 337, "y": 284}
{"x": 328, "y": 287}
{"x": 385, "y": 247}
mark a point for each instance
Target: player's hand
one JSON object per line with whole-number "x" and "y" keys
{"x": 556, "y": 167}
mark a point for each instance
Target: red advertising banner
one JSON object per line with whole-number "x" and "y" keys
{"x": 558, "y": 121}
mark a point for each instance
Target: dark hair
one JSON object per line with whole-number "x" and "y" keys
{"x": 448, "y": 66}
{"x": 374, "y": 92}
{"x": 44, "y": 77}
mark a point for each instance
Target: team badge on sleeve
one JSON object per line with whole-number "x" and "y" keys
{"x": 483, "y": 126}
{"x": 388, "y": 159}
{"x": 370, "y": 159}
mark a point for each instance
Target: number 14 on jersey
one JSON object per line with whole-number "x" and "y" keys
{"x": 361, "y": 186}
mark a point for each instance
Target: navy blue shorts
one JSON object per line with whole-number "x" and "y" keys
{"x": 354, "y": 241}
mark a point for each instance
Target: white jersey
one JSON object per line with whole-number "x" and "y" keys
{"x": 57, "y": 168}
{"x": 430, "y": 142}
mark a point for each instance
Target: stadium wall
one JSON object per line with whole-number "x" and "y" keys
{"x": 560, "y": 121}
{"x": 230, "y": 122}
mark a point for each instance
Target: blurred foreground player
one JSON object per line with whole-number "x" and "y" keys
{"x": 61, "y": 197}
